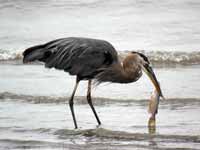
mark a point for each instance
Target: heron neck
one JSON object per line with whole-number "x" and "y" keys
{"x": 130, "y": 73}
{"x": 117, "y": 73}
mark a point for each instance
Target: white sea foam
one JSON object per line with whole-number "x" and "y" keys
{"x": 171, "y": 57}
{"x": 156, "y": 57}
{"x": 174, "y": 57}
{"x": 10, "y": 55}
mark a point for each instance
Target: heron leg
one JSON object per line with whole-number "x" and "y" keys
{"x": 71, "y": 103}
{"x": 89, "y": 99}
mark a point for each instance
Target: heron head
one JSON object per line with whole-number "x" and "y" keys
{"x": 146, "y": 67}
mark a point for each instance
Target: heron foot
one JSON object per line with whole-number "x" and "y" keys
{"x": 98, "y": 126}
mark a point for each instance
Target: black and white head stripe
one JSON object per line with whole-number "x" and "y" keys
{"x": 143, "y": 56}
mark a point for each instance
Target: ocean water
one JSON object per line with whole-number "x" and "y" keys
{"x": 34, "y": 111}
{"x": 129, "y": 25}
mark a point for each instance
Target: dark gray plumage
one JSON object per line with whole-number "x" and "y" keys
{"x": 91, "y": 59}
{"x": 78, "y": 56}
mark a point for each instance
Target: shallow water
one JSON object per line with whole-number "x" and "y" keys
{"x": 34, "y": 113}
{"x": 177, "y": 82}
{"x": 33, "y": 100}
{"x": 50, "y": 126}
{"x": 151, "y": 25}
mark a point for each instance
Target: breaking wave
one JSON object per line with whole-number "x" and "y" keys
{"x": 9, "y": 55}
{"x": 170, "y": 57}
{"x": 104, "y": 133}
{"x": 156, "y": 57}
{"x": 7, "y": 96}
{"x": 174, "y": 57}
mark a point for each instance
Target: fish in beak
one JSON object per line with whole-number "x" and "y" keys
{"x": 155, "y": 97}
{"x": 149, "y": 71}
{"x": 153, "y": 109}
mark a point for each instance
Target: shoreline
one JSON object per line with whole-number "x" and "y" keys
{"x": 80, "y": 100}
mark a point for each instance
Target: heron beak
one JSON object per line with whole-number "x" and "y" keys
{"x": 149, "y": 71}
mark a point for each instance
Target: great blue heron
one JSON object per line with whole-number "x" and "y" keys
{"x": 90, "y": 59}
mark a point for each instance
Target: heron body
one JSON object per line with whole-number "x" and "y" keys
{"x": 90, "y": 59}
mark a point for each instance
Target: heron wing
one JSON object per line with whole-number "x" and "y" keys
{"x": 79, "y": 56}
